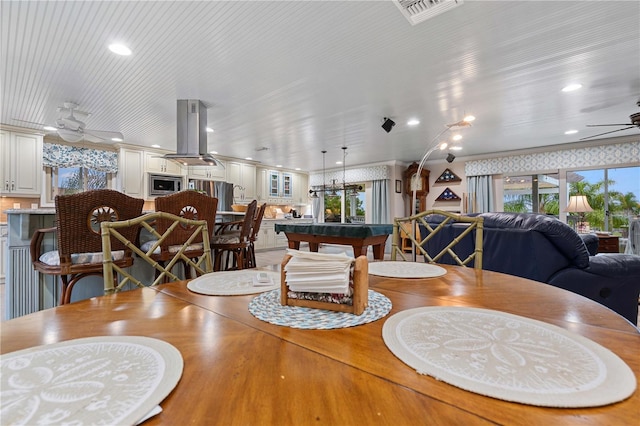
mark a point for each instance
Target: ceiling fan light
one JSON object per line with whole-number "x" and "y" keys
{"x": 70, "y": 136}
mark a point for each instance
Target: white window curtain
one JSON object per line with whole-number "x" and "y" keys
{"x": 317, "y": 206}
{"x": 380, "y": 201}
{"x": 55, "y": 155}
{"x": 481, "y": 197}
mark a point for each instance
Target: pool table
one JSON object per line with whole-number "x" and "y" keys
{"x": 357, "y": 235}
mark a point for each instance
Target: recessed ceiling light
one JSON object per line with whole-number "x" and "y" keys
{"x": 413, "y": 122}
{"x": 155, "y": 145}
{"x": 571, "y": 87}
{"x": 278, "y": 165}
{"x": 120, "y": 49}
{"x": 338, "y": 162}
{"x": 116, "y": 139}
{"x": 209, "y": 130}
{"x": 298, "y": 168}
{"x": 50, "y": 128}
{"x": 456, "y": 148}
{"x": 213, "y": 152}
{"x": 248, "y": 158}
{"x": 570, "y": 132}
{"x": 457, "y": 137}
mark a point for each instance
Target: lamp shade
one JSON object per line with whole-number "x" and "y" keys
{"x": 578, "y": 204}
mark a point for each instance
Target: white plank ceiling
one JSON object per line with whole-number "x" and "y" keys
{"x": 300, "y": 77}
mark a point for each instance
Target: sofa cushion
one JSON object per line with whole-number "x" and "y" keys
{"x": 561, "y": 235}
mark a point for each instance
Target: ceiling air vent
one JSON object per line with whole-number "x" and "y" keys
{"x": 417, "y": 11}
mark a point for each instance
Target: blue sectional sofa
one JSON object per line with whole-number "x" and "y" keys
{"x": 542, "y": 248}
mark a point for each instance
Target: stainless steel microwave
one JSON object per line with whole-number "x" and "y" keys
{"x": 163, "y": 185}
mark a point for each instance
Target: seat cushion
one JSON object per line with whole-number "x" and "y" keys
{"x": 52, "y": 258}
{"x": 225, "y": 239}
{"x": 172, "y": 249}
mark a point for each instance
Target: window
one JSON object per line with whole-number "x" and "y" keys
{"x": 532, "y": 194}
{"x": 71, "y": 180}
{"x": 613, "y": 194}
{"x": 354, "y": 205}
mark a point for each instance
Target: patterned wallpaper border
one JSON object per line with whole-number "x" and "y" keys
{"x": 602, "y": 155}
{"x": 363, "y": 174}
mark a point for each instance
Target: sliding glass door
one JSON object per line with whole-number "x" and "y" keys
{"x": 613, "y": 194}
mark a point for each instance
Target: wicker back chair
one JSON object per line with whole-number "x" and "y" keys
{"x": 403, "y": 224}
{"x": 115, "y": 231}
{"x": 77, "y": 231}
{"x": 230, "y": 244}
{"x": 189, "y": 205}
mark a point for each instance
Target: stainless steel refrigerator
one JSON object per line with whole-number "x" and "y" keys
{"x": 223, "y": 191}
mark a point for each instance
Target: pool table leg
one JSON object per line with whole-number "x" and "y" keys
{"x": 314, "y": 247}
{"x": 378, "y": 251}
{"x": 294, "y": 245}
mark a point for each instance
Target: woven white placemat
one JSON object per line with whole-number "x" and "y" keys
{"x": 508, "y": 357}
{"x": 399, "y": 269}
{"x": 230, "y": 283}
{"x": 95, "y": 380}
{"x": 267, "y": 307}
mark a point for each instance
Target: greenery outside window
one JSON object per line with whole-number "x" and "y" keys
{"x": 355, "y": 210}
{"x": 614, "y": 196}
{"x": 532, "y": 194}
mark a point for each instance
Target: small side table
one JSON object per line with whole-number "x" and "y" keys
{"x": 608, "y": 244}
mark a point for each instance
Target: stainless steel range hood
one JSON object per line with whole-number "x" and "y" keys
{"x": 192, "y": 135}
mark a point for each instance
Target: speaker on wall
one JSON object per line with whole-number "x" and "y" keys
{"x": 388, "y": 124}
{"x": 450, "y": 158}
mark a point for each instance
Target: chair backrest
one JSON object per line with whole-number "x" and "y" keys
{"x": 419, "y": 242}
{"x": 247, "y": 222}
{"x": 257, "y": 222}
{"x": 78, "y": 218}
{"x": 189, "y": 205}
{"x": 111, "y": 230}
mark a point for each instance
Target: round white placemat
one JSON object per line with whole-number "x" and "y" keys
{"x": 399, "y": 269}
{"x": 267, "y": 307}
{"x": 95, "y": 380}
{"x": 508, "y": 357}
{"x": 230, "y": 283}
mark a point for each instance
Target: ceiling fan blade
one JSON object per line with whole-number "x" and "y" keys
{"x": 606, "y": 133}
{"x": 30, "y": 122}
{"x": 599, "y": 125}
{"x": 102, "y": 135}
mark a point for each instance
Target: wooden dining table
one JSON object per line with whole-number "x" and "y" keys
{"x": 240, "y": 370}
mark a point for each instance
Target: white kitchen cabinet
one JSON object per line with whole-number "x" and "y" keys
{"x": 154, "y": 163}
{"x": 243, "y": 177}
{"x": 217, "y": 172}
{"x": 3, "y": 251}
{"x": 280, "y": 185}
{"x": 131, "y": 176}
{"x": 21, "y": 164}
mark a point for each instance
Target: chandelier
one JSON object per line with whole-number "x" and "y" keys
{"x": 332, "y": 190}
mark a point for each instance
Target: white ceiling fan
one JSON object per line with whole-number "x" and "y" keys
{"x": 71, "y": 129}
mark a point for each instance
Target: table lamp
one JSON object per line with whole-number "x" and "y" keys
{"x": 578, "y": 204}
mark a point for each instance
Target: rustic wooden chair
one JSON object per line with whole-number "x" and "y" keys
{"x": 230, "y": 243}
{"x": 255, "y": 229}
{"x": 198, "y": 230}
{"x": 78, "y": 252}
{"x": 419, "y": 242}
{"x": 190, "y": 205}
